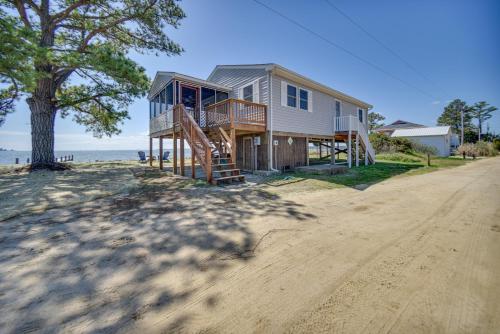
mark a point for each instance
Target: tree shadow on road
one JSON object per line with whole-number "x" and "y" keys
{"x": 101, "y": 266}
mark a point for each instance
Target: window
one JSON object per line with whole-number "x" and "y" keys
{"x": 291, "y": 93}
{"x": 248, "y": 93}
{"x": 207, "y": 97}
{"x": 162, "y": 101}
{"x": 360, "y": 115}
{"x": 304, "y": 99}
{"x": 338, "y": 107}
{"x": 221, "y": 96}
{"x": 170, "y": 95}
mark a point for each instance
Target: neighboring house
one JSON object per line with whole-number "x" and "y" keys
{"x": 439, "y": 137}
{"x": 256, "y": 117}
{"x": 399, "y": 124}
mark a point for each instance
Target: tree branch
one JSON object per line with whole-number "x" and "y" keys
{"x": 56, "y": 18}
{"x": 22, "y": 13}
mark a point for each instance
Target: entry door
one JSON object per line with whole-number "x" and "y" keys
{"x": 248, "y": 156}
{"x": 189, "y": 97}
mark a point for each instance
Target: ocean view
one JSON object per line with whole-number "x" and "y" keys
{"x": 9, "y": 157}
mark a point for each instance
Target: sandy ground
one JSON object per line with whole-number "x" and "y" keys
{"x": 416, "y": 254}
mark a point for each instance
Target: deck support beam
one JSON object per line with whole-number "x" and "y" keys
{"x": 151, "y": 151}
{"x": 357, "y": 150}
{"x": 181, "y": 149}
{"x": 307, "y": 151}
{"x": 366, "y": 156}
{"x": 333, "y": 150}
{"x": 233, "y": 146}
{"x": 175, "y": 151}
{"x": 193, "y": 157}
{"x": 161, "y": 153}
{"x": 349, "y": 148}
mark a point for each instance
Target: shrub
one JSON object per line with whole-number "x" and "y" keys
{"x": 467, "y": 149}
{"x": 496, "y": 144}
{"x": 384, "y": 144}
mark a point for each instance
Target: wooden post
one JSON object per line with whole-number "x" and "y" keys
{"x": 161, "y": 153}
{"x": 233, "y": 146}
{"x": 320, "y": 149}
{"x": 307, "y": 151}
{"x": 349, "y": 150}
{"x": 333, "y": 150}
{"x": 175, "y": 151}
{"x": 193, "y": 155}
{"x": 366, "y": 155}
{"x": 357, "y": 150}
{"x": 151, "y": 151}
{"x": 181, "y": 148}
{"x": 209, "y": 166}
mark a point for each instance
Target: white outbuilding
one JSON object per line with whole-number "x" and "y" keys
{"x": 436, "y": 136}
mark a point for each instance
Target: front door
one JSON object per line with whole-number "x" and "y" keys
{"x": 247, "y": 154}
{"x": 189, "y": 97}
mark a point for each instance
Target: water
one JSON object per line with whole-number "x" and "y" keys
{"x": 9, "y": 157}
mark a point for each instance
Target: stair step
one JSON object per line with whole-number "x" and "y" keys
{"x": 226, "y": 170}
{"x": 223, "y": 165}
{"x": 230, "y": 178}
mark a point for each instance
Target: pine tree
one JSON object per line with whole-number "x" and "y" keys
{"x": 71, "y": 58}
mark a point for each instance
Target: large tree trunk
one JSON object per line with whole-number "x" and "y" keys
{"x": 42, "y": 133}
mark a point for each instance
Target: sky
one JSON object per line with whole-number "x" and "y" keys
{"x": 452, "y": 47}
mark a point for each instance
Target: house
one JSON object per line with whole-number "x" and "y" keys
{"x": 254, "y": 117}
{"x": 399, "y": 124}
{"x": 439, "y": 137}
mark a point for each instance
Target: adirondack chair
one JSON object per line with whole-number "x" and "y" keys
{"x": 142, "y": 157}
{"x": 166, "y": 155}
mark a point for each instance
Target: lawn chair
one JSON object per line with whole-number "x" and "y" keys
{"x": 166, "y": 155}
{"x": 142, "y": 157}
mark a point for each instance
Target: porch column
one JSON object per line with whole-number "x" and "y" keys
{"x": 357, "y": 150}
{"x": 175, "y": 151}
{"x": 161, "y": 153}
{"x": 181, "y": 148}
{"x": 151, "y": 151}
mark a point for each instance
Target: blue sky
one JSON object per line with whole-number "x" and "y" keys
{"x": 453, "y": 43}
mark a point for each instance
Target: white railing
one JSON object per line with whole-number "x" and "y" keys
{"x": 346, "y": 123}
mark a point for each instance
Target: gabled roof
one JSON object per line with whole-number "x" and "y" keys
{"x": 399, "y": 124}
{"x": 420, "y": 132}
{"x": 294, "y": 76}
{"x": 162, "y": 78}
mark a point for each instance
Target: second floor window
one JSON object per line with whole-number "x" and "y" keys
{"x": 291, "y": 92}
{"x": 248, "y": 93}
{"x": 338, "y": 107}
{"x": 304, "y": 99}
{"x": 360, "y": 115}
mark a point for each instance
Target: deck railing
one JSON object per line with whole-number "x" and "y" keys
{"x": 232, "y": 112}
{"x": 346, "y": 123}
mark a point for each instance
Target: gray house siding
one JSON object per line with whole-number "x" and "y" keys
{"x": 319, "y": 121}
{"x": 240, "y": 77}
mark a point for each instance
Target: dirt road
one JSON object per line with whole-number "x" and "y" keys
{"x": 416, "y": 254}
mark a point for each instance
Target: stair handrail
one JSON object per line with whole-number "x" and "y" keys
{"x": 227, "y": 141}
{"x": 197, "y": 140}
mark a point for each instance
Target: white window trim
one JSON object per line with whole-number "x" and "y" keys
{"x": 335, "y": 107}
{"x": 255, "y": 91}
{"x": 284, "y": 97}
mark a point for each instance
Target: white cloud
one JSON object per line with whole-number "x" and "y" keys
{"x": 436, "y": 102}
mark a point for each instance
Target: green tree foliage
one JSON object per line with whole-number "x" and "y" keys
{"x": 382, "y": 143}
{"x": 375, "y": 120}
{"x": 482, "y": 111}
{"x": 451, "y": 116}
{"x": 71, "y": 57}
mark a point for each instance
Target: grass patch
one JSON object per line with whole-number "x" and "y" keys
{"x": 387, "y": 166}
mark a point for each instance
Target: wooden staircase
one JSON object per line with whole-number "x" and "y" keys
{"x": 213, "y": 149}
